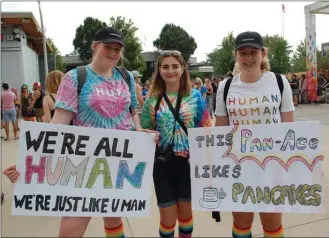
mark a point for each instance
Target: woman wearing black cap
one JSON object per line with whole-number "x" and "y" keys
{"x": 254, "y": 80}
{"x": 104, "y": 101}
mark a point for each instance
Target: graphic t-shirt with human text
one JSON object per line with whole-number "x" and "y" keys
{"x": 254, "y": 103}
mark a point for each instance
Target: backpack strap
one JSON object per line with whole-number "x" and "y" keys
{"x": 82, "y": 75}
{"x": 227, "y": 88}
{"x": 125, "y": 75}
{"x": 280, "y": 85}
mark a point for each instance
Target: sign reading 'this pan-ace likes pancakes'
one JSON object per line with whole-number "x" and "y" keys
{"x": 78, "y": 171}
{"x": 258, "y": 168}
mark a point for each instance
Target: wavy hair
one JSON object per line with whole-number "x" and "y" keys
{"x": 53, "y": 80}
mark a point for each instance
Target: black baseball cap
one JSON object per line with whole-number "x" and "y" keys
{"x": 249, "y": 38}
{"x": 109, "y": 35}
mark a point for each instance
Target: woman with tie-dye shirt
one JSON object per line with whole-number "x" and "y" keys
{"x": 171, "y": 172}
{"x": 103, "y": 102}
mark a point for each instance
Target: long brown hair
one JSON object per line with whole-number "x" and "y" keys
{"x": 158, "y": 86}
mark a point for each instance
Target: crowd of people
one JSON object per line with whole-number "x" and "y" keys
{"x": 166, "y": 106}
{"x": 299, "y": 86}
{"x": 27, "y": 105}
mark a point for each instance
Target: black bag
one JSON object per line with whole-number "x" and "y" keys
{"x": 163, "y": 153}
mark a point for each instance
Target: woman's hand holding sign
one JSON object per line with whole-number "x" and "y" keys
{"x": 11, "y": 173}
{"x": 150, "y": 131}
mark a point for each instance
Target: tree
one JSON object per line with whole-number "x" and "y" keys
{"x": 84, "y": 36}
{"x": 60, "y": 65}
{"x": 174, "y": 37}
{"x": 278, "y": 53}
{"x": 298, "y": 60}
{"x": 222, "y": 57}
{"x": 322, "y": 61}
{"x": 133, "y": 47}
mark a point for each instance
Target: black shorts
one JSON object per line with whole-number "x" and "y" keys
{"x": 172, "y": 181}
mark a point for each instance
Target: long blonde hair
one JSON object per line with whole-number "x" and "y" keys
{"x": 53, "y": 80}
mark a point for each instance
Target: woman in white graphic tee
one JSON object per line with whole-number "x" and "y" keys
{"x": 245, "y": 105}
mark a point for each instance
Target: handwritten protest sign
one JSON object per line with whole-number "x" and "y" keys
{"x": 78, "y": 171}
{"x": 260, "y": 168}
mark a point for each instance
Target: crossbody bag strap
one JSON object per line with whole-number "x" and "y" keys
{"x": 156, "y": 108}
{"x": 176, "y": 112}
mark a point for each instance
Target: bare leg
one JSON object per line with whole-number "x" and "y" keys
{"x": 113, "y": 227}
{"x": 168, "y": 217}
{"x": 7, "y": 130}
{"x": 73, "y": 226}
{"x": 242, "y": 222}
{"x": 185, "y": 219}
{"x": 15, "y": 129}
{"x": 272, "y": 224}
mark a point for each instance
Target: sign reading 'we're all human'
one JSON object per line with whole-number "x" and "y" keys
{"x": 78, "y": 171}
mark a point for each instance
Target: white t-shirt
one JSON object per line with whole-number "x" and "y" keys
{"x": 254, "y": 103}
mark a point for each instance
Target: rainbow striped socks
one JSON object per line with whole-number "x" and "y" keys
{"x": 115, "y": 231}
{"x": 166, "y": 231}
{"x": 277, "y": 233}
{"x": 241, "y": 232}
{"x": 185, "y": 227}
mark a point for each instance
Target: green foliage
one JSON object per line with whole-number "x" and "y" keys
{"x": 60, "y": 65}
{"x": 222, "y": 57}
{"x": 174, "y": 37}
{"x": 298, "y": 59}
{"x": 194, "y": 74}
{"x": 323, "y": 62}
{"x": 133, "y": 47}
{"x": 279, "y": 52}
{"x": 85, "y": 33}
{"x": 84, "y": 36}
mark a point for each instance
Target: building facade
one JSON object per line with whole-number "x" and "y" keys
{"x": 22, "y": 50}
{"x": 325, "y": 49}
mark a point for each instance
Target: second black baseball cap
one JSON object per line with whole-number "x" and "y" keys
{"x": 249, "y": 38}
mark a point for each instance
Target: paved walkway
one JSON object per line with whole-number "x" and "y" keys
{"x": 296, "y": 225}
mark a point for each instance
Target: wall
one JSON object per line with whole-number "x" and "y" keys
{"x": 11, "y": 60}
{"x": 51, "y": 67}
{"x": 30, "y": 66}
{"x": 12, "y": 68}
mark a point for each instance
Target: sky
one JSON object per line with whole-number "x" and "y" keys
{"x": 207, "y": 22}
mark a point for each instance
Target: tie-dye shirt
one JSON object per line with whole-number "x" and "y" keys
{"x": 192, "y": 112}
{"x": 103, "y": 102}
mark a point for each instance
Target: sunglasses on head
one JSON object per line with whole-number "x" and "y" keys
{"x": 170, "y": 52}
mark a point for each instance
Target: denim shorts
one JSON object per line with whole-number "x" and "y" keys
{"x": 9, "y": 116}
